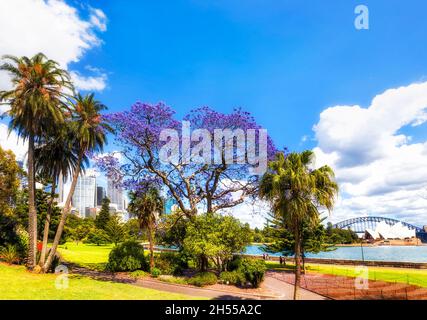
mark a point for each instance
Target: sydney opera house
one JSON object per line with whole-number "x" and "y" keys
{"x": 386, "y": 231}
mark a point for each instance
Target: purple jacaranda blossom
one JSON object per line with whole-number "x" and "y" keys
{"x": 214, "y": 186}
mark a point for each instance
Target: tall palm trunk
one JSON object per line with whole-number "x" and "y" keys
{"x": 65, "y": 212}
{"x": 32, "y": 213}
{"x": 297, "y": 263}
{"x": 151, "y": 245}
{"x": 47, "y": 223}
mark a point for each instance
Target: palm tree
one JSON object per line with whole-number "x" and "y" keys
{"x": 37, "y": 101}
{"x": 89, "y": 133}
{"x": 55, "y": 159}
{"x": 296, "y": 192}
{"x": 147, "y": 207}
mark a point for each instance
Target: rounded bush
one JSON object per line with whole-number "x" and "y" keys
{"x": 171, "y": 263}
{"x": 127, "y": 256}
{"x": 138, "y": 274}
{"x": 233, "y": 277}
{"x": 155, "y": 272}
{"x": 203, "y": 279}
{"x": 254, "y": 271}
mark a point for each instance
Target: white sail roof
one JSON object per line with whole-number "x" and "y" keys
{"x": 386, "y": 231}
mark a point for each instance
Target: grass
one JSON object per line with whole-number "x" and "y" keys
{"x": 18, "y": 284}
{"x": 95, "y": 257}
{"x": 86, "y": 255}
{"x": 402, "y": 275}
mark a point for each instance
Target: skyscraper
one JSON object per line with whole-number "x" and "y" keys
{"x": 115, "y": 194}
{"x": 100, "y": 194}
{"x": 60, "y": 191}
{"x": 84, "y": 195}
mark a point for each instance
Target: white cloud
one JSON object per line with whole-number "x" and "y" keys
{"x": 91, "y": 172}
{"x": 3, "y": 109}
{"x": 304, "y": 138}
{"x": 254, "y": 213}
{"x": 379, "y": 169}
{"x": 98, "y": 19}
{"x": 91, "y": 83}
{"x": 12, "y": 142}
{"x": 52, "y": 27}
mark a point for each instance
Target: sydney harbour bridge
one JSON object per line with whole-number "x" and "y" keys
{"x": 360, "y": 224}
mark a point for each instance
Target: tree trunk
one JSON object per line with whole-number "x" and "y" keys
{"x": 47, "y": 223}
{"x": 203, "y": 263}
{"x": 209, "y": 204}
{"x": 151, "y": 245}
{"x": 65, "y": 212}
{"x": 302, "y": 258}
{"x": 32, "y": 213}
{"x": 218, "y": 264}
{"x": 297, "y": 263}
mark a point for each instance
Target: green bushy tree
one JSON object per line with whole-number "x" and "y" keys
{"x": 127, "y": 256}
{"x": 97, "y": 236}
{"x": 213, "y": 238}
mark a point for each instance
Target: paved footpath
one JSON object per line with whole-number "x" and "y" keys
{"x": 281, "y": 290}
{"x": 287, "y": 290}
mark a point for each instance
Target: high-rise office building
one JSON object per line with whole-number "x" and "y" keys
{"x": 115, "y": 194}
{"x": 60, "y": 189}
{"x": 100, "y": 194}
{"x": 84, "y": 197}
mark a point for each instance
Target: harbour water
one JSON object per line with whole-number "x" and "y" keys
{"x": 376, "y": 253}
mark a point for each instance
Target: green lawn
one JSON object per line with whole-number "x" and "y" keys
{"x": 95, "y": 257}
{"x": 86, "y": 255}
{"x": 404, "y": 275}
{"x": 18, "y": 284}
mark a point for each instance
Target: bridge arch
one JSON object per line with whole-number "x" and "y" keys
{"x": 360, "y": 224}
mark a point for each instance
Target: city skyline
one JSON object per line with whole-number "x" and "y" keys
{"x": 86, "y": 195}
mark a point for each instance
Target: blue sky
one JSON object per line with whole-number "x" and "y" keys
{"x": 284, "y": 61}
{"x": 358, "y": 98}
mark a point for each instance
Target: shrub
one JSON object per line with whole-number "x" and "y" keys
{"x": 9, "y": 254}
{"x": 155, "y": 272}
{"x": 138, "y": 274}
{"x": 203, "y": 279}
{"x": 235, "y": 263}
{"x": 235, "y": 277}
{"x": 254, "y": 271}
{"x": 173, "y": 279}
{"x": 171, "y": 263}
{"x": 128, "y": 256}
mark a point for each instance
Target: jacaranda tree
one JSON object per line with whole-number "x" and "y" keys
{"x": 214, "y": 185}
